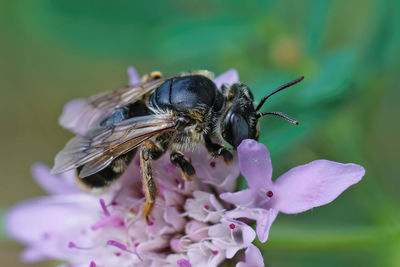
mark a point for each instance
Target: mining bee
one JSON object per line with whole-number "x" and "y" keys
{"x": 177, "y": 113}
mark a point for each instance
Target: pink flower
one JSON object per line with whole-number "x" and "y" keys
{"x": 108, "y": 230}
{"x": 193, "y": 223}
{"x": 187, "y": 226}
{"x": 302, "y": 188}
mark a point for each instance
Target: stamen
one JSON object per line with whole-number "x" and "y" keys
{"x": 92, "y": 264}
{"x": 214, "y": 252}
{"x": 117, "y": 244}
{"x": 150, "y": 223}
{"x": 232, "y": 226}
{"x": 117, "y": 254}
{"x": 103, "y": 206}
{"x": 73, "y": 245}
{"x": 212, "y": 164}
{"x": 206, "y": 207}
{"x": 102, "y": 222}
{"x": 122, "y": 247}
{"x": 270, "y": 193}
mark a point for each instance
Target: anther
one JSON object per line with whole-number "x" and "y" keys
{"x": 232, "y": 226}
{"x": 270, "y": 194}
{"x": 212, "y": 164}
{"x": 116, "y": 244}
{"x": 214, "y": 252}
{"x": 206, "y": 207}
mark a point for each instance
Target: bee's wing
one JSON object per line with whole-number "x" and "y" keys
{"x": 100, "y": 146}
{"x": 80, "y": 115}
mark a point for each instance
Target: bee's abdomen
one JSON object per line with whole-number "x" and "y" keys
{"x": 107, "y": 175}
{"x": 187, "y": 93}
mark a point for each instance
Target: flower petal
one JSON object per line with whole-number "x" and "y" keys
{"x": 229, "y": 77}
{"x": 264, "y": 223}
{"x": 241, "y": 198}
{"x": 255, "y": 163}
{"x": 214, "y": 171}
{"x": 54, "y": 184}
{"x": 32, "y": 220}
{"x": 231, "y": 235}
{"x": 314, "y": 184}
{"x": 133, "y": 76}
{"x": 253, "y": 258}
{"x": 264, "y": 219}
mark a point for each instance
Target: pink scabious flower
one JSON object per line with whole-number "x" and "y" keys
{"x": 193, "y": 223}
{"x": 301, "y": 188}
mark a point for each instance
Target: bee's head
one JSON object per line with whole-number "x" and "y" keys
{"x": 240, "y": 121}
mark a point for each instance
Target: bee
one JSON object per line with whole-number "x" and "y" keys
{"x": 177, "y": 113}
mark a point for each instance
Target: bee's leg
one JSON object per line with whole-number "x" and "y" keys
{"x": 154, "y": 75}
{"x": 178, "y": 159}
{"x": 217, "y": 150}
{"x": 149, "y": 151}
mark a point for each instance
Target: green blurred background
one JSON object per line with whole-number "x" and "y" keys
{"x": 348, "y": 104}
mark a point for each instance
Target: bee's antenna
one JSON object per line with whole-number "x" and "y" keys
{"x": 277, "y": 90}
{"x": 279, "y": 114}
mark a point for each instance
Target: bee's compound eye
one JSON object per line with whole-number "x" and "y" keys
{"x": 240, "y": 129}
{"x": 235, "y": 129}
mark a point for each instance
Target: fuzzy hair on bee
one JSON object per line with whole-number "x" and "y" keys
{"x": 178, "y": 113}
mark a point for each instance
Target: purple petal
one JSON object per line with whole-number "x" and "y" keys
{"x": 264, "y": 219}
{"x": 214, "y": 171}
{"x": 314, "y": 184}
{"x": 253, "y": 258}
{"x": 196, "y": 230}
{"x": 241, "y": 198}
{"x": 31, "y": 255}
{"x": 255, "y": 163}
{"x": 34, "y": 220}
{"x": 229, "y": 77}
{"x": 231, "y": 235}
{"x": 174, "y": 218}
{"x": 264, "y": 223}
{"x": 133, "y": 76}
{"x": 54, "y": 184}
